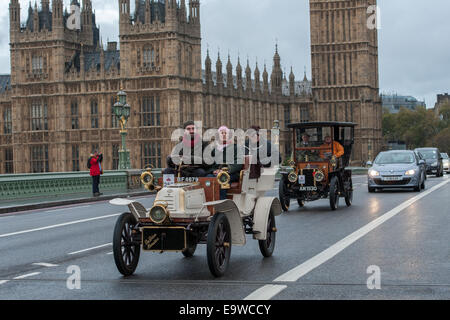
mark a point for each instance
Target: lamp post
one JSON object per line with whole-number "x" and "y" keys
{"x": 122, "y": 111}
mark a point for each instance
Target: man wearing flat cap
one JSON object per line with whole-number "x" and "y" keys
{"x": 190, "y": 155}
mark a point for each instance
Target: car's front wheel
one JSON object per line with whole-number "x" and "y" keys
{"x": 218, "y": 247}
{"x": 334, "y": 193}
{"x": 284, "y": 199}
{"x": 126, "y": 252}
{"x": 268, "y": 246}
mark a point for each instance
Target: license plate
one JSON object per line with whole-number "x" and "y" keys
{"x": 308, "y": 188}
{"x": 392, "y": 178}
{"x": 164, "y": 239}
{"x": 301, "y": 179}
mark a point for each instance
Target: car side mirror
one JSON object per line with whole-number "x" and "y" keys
{"x": 421, "y": 161}
{"x": 369, "y": 163}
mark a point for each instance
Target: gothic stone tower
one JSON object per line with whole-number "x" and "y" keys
{"x": 160, "y": 62}
{"x": 345, "y": 70}
{"x": 40, "y": 49}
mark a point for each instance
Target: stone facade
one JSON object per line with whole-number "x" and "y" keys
{"x": 56, "y": 106}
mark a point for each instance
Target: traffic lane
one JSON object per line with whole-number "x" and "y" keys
{"x": 27, "y": 220}
{"x": 54, "y": 235}
{"x": 246, "y": 265}
{"x": 52, "y": 246}
{"x": 411, "y": 251}
{"x": 100, "y": 233}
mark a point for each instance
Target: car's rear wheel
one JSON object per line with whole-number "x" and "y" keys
{"x": 267, "y": 246}
{"x": 349, "y": 192}
{"x": 126, "y": 252}
{"x": 285, "y": 200}
{"x": 218, "y": 247}
{"x": 334, "y": 193}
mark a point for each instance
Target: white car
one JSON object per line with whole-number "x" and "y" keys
{"x": 445, "y": 162}
{"x": 186, "y": 214}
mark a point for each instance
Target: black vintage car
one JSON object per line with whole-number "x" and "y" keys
{"x": 317, "y": 170}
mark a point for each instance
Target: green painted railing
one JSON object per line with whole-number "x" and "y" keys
{"x": 15, "y": 186}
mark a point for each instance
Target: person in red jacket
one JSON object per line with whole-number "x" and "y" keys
{"x": 95, "y": 171}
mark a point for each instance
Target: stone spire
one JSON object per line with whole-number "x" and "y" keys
{"x": 219, "y": 74}
{"x": 265, "y": 80}
{"x": 292, "y": 83}
{"x": 239, "y": 74}
{"x": 208, "y": 70}
{"x": 230, "y": 84}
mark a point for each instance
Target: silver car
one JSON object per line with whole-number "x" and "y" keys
{"x": 445, "y": 162}
{"x": 396, "y": 169}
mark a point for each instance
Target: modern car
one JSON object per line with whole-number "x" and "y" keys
{"x": 396, "y": 169}
{"x": 446, "y": 162}
{"x": 433, "y": 160}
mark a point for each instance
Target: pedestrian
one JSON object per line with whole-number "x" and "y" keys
{"x": 95, "y": 170}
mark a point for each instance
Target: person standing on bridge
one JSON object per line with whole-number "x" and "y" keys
{"x": 95, "y": 170}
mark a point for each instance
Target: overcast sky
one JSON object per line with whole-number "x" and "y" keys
{"x": 414, "y": 46}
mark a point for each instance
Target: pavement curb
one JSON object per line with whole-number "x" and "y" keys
{"x": 52, "y": 204}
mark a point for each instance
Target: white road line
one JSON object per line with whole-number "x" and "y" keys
{"x": 63, "y": 209}
{"x": 3, "y": 281}
{"x": 110, "y": 253}
{"x": 93, "y": 248}
{"x": 304, "y": 268}
{"x": 59, "y": 225}
{"x": 44, "y": 264}
{"x": 27, "y": 275}
{"x": 266, "y": 292}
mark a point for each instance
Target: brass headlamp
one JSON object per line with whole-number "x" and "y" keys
{"x": 319, "y": 176}
{"x": 223, "y": 178}
{"x": 148, "y": 180}
{"x": 292, "y": 177}
{"x": 159, "y": 213}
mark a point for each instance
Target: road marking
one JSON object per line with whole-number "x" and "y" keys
{"x": 63, "y": 209}
{"x": 93, "y": 248}
{"x": 27, "y": 275}
{"x": 304, "y": 268}
{"x": 58, "y": 225}
{"x": 44, "y": 264}
{"x": 3, "y": 281}
{"x": 266, "y": 292}
{"x": 110, "y": 253}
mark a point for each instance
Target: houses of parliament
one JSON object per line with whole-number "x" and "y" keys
{"x": 56, "y": 105}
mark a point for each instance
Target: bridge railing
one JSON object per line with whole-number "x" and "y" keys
{"x": 20, "y": 186}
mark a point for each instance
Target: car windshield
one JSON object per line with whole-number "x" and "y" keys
{"x": 444, "y": 155}
{"x": 394, "y": 157}
{"x": 429, "y": 154}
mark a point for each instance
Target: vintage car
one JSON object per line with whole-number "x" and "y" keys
{"x": 315, "y": 172}
{"x": 189, "y": 212}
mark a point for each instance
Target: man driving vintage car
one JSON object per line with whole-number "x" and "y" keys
{"x": 190, "y": 157}
{"x": 338, "y": 149}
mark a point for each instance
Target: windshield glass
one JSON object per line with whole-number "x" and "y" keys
{"x": 308, "y": 138}
{"x": 429, "y": 154}
{"x": 444, "y": 155}
{"x": 394, "y": 157}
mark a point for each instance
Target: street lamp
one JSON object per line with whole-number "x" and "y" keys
{"x": 122, "y": 111}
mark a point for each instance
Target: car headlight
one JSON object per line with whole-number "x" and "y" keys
{"x": 319, "y": 176}
{"x": 373, "y": 173}
{"x": 158, "y": 214}
{"x": 410, "y": 172}
{"x": 292, "y": 177}
{"x": 434, "y": 164}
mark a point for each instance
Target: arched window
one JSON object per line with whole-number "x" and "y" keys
{"x": 149, "y": 56}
